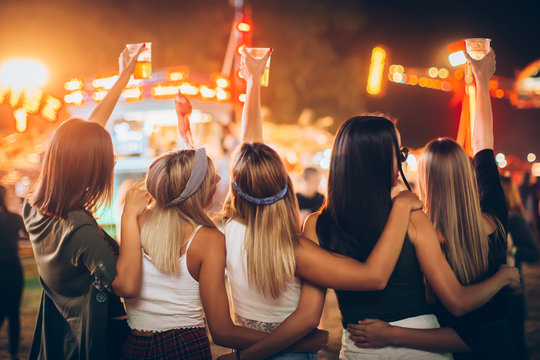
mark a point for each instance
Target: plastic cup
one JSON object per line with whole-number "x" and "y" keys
{"x": 258, "y": 53}
{"x": 477, "y": 48}
{"x": 143, "y": 68}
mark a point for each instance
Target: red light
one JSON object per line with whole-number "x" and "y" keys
{"x": 243, "y": 26}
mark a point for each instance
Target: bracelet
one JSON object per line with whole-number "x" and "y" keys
{"x": 238, "y": 355}
{"x": 513, "y": 251}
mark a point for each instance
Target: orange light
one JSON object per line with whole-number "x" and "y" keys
{"x": 21, "y": 120}
{"x": 443, "y": 73}
{"x": 132, "y": 94}
{"x": 207, "y": 93}
{"x": 15, "y": 97}
{"x": 392, "y": 69}
{"x": 493, "y": 85}
{"x": 161, "y": 90}
{"x": 243, "y": 26}
{"x": 433, "y": 72}
{"x": 240, "y": 49}
{"x": 240, "y": 74}
{"x": 446, "y": 86}
{"x": 99, "y": 95}
{"x": 413, "y": 80}
{"x": 222, "y": 82}
{"x": 376, "y": 68}
{"x": 104, "y": 82}
{"x": 75, "y": 98}
{"x": 458, "y": 74}
{"x": 423, "y": 82}
{"x": 242, "y": 97}
{"x": 471, "y": 92}
{"x": 3, "y": 94}
{"x": 499, "y": 93}
{"x": 400, "y": 69}
{"x": 51, "y": 108}
{"x": 188, "y": 89}
{"x": 222, "y": 94}
{"x": 32, "y": 100}
{"x": 178, "y": 74}
{"x": 73, "y": 84}
{"x": 397, "y": 77}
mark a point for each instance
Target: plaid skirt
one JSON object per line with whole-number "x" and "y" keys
{"x": 186, "y": 343}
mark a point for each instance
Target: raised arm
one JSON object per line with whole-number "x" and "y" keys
{"x": 482, "y": 135}
{"x": 127, "y": 282}
{"x": 104, "y": 109}
{"x": 336, "y": 271}
{"x": 252, "y": 70}
{"x": 183, "y": 110}
{"x": 456, "y": 298}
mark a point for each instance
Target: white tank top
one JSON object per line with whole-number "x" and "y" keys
{"x": 247, "y": 301}
{"x": 166, "y": 301}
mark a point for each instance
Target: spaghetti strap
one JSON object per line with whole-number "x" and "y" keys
{"x": 192, "y": 237}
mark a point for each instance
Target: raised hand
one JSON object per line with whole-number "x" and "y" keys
{"x": 483, "y": 69}
{"x": 183, "y": 109}
{"x": 128, "y": 60}
{"x": 251, "y": 68}
{"x": 137, "y": 199}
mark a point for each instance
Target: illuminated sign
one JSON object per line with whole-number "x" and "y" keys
{"x": 376, "y": 69}
{"x": 51, "y": 108}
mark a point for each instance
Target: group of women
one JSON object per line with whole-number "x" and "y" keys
{"x": 399, "y": 273}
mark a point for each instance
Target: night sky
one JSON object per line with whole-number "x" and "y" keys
{"x": 76, "y": 38}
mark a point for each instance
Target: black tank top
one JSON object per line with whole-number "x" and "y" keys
{"x": 403, "y": 297}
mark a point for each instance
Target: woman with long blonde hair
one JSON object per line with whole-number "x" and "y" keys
{"x": 470, "y": 217}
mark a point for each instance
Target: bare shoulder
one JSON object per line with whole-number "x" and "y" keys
{"x": 489, "y": 224}
{"x": 210, "y": 236}
{"x": 309, "y": 230}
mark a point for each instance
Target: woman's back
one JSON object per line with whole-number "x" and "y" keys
{"x": 166, "y": 301}
{"x": 249, "y": 303}
{"x": 403, "y": 296}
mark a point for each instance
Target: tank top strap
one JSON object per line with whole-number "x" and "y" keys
{"x": 192, "y": 237}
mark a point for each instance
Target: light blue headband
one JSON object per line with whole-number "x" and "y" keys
{"x": 198, "y": 173}
{"x": 260, "y": 201}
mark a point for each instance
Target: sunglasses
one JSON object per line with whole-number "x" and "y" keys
{"x": 403, "y": 154}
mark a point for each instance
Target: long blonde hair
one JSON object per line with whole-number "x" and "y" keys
{"x": 162, "y": 234}
{"x": 449, "y": 192}
{"x": 272, "y": 230}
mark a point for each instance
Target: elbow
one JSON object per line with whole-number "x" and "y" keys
{"x": 457, "y": 309}
{"x": 380, "y": 284}
{"x": 220, "y": 337}
{"x": 127, "y": 290}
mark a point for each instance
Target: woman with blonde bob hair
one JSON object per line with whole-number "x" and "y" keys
{"x": 470, "y": 217}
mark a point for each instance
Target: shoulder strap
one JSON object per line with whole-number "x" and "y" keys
{"x": 192, "y": 237}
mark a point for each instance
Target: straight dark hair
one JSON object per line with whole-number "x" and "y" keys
{"x": 360, "y": 180}
{"x": 77, "y": 172}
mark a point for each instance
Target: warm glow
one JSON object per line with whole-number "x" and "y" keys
{"x": 531, "y": 157}
{"x": 32, "y": 100}
{"x": 499, "y": 93}
{"x": 73, "y": 84}
{"x": 446, "y": 86}
{"x": 423, "y": 82}
{"x": 188, "y": 89}
{"x": 399, "y": 69}
{"x": 21, "y": 121}
{"x": 376, "y": 69}
{"x": 471, "y": 91}
{"x": 433, "y": 72}
{"x": 99, "y": 95}
{"x": 15, "y": 97}
{"x": 207, "y": 93}
{"x": 3, "y": 94}
{"x": 413, "y": 80}
{"x": 165, "y": 90}
{"x": 178, "y": 75}
{"x": 457, "y": 58}
{"x": 500, "y": 157}
{"x": 222, "y": 94}
{"x": 397, "y": 77}
{"x": 502, "y": 164}
{"x": 104, "y": 83}
{"x": 23, "y": 74}
{"x": 244, "y": 26}
{"x": 51, "y": 108}
{"x": 443, "y": 73}
{"x": 222, "y": 82}
{"x": 132, "y": 94}
{"x": 75, "y": 98}
{"x": 242, "y": 97}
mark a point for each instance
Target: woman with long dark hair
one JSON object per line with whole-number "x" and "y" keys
{"x": 470, "y": 216}
{"x": 11, "y": 271}
{"x": 363, "y": 170}
{"x": 82, "y": 270}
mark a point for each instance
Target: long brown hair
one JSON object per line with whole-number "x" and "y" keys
{"x": 162, "y": 234}
{"x": 449, "y": 192}
{"x": 272, "y": 230}
{"x": 77, "y": 172}
{"x": 511, "y": 193}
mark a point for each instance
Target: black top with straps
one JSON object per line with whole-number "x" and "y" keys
{"x": 403, "y": 297}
